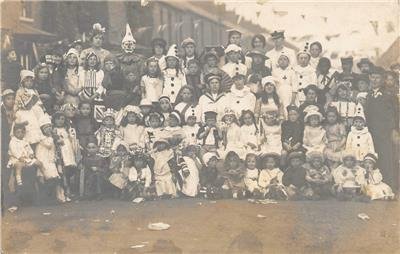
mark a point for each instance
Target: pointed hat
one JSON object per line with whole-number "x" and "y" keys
{"x": 128, "y": 35}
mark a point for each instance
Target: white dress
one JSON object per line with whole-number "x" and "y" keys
{"x": 273, "y": 143}
{"x": 267, "y": 175}
{"x": 19, "y": 149}
{"x": 153, "y": 88}
{"x": 375, "y": 188}
{"x": 251, "y": 179}
{"x": 190, "y": 185}
{"x": 46, "y": 154}
{"x": 67, "y": 149}
{"x": 314, "y": 138}
{"x": 284, "y": 86}
{"x": 133, "y": 134}
{"x": 233, "y": 141}
{"x": 162, "y": 173}
{"x": 249, "y": 134}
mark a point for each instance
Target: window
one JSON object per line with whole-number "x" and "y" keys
{"x": 26, "y": 11}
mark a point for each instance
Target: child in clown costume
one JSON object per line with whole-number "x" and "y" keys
{"x": 174, "y": 78}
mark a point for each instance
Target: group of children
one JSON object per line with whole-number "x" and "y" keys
{"x": 181, "y": 131}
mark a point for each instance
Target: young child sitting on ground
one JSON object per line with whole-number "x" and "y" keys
{"x": 270, "y": 178}
{"x": 348, "y": 177}
{"x": 139, "y": 178}
{"x": 252, "y": 172}
{"x": 295, "y": 176}
{"x": 210, "y": 180}
{"x": 375, "y": 188}
{"x": 318, "y": 176}
{"x": 234, "y": 176}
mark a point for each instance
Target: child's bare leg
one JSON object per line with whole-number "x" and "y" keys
{"x": 39, "y": 165}
{"x": 18, "y": 172}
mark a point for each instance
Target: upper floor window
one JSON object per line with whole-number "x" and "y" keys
{"x": 26, "y": 11}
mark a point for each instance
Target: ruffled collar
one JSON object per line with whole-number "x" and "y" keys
{"x": 362, "y": 131}
{"x": 240, "y": 93}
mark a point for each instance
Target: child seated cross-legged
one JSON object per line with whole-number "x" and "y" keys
{"x": 210, "y": 180}
{"x": 349, "y": 177}
{"x": 119, "y": 167}
{"x": 294, "y": 177}
{"x": 234, "y": 174}
{"x": 375, "y": 188}
{"x": 270, "y": 178}
{"x": 318, "y": 176}
{"x": 139, "y": 178}
{"x": 251, "y": 177}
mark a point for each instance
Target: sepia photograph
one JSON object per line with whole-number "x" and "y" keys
{"x": 200, "y": 126}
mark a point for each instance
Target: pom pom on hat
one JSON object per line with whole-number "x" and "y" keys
{"x": 172, "y": 51}
{"x": 128, "y": 35}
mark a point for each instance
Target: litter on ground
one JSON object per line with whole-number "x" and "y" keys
{"x": 158, "y": 226}
{"x": 363, "y": 216}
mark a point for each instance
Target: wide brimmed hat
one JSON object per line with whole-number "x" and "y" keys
{"x": 278, "y": 34}
{"x": 313, "y": 113}
{"x": 256, "y": 52}
{"x": 364, "y": 61}
{"x": 187, "y": 41}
